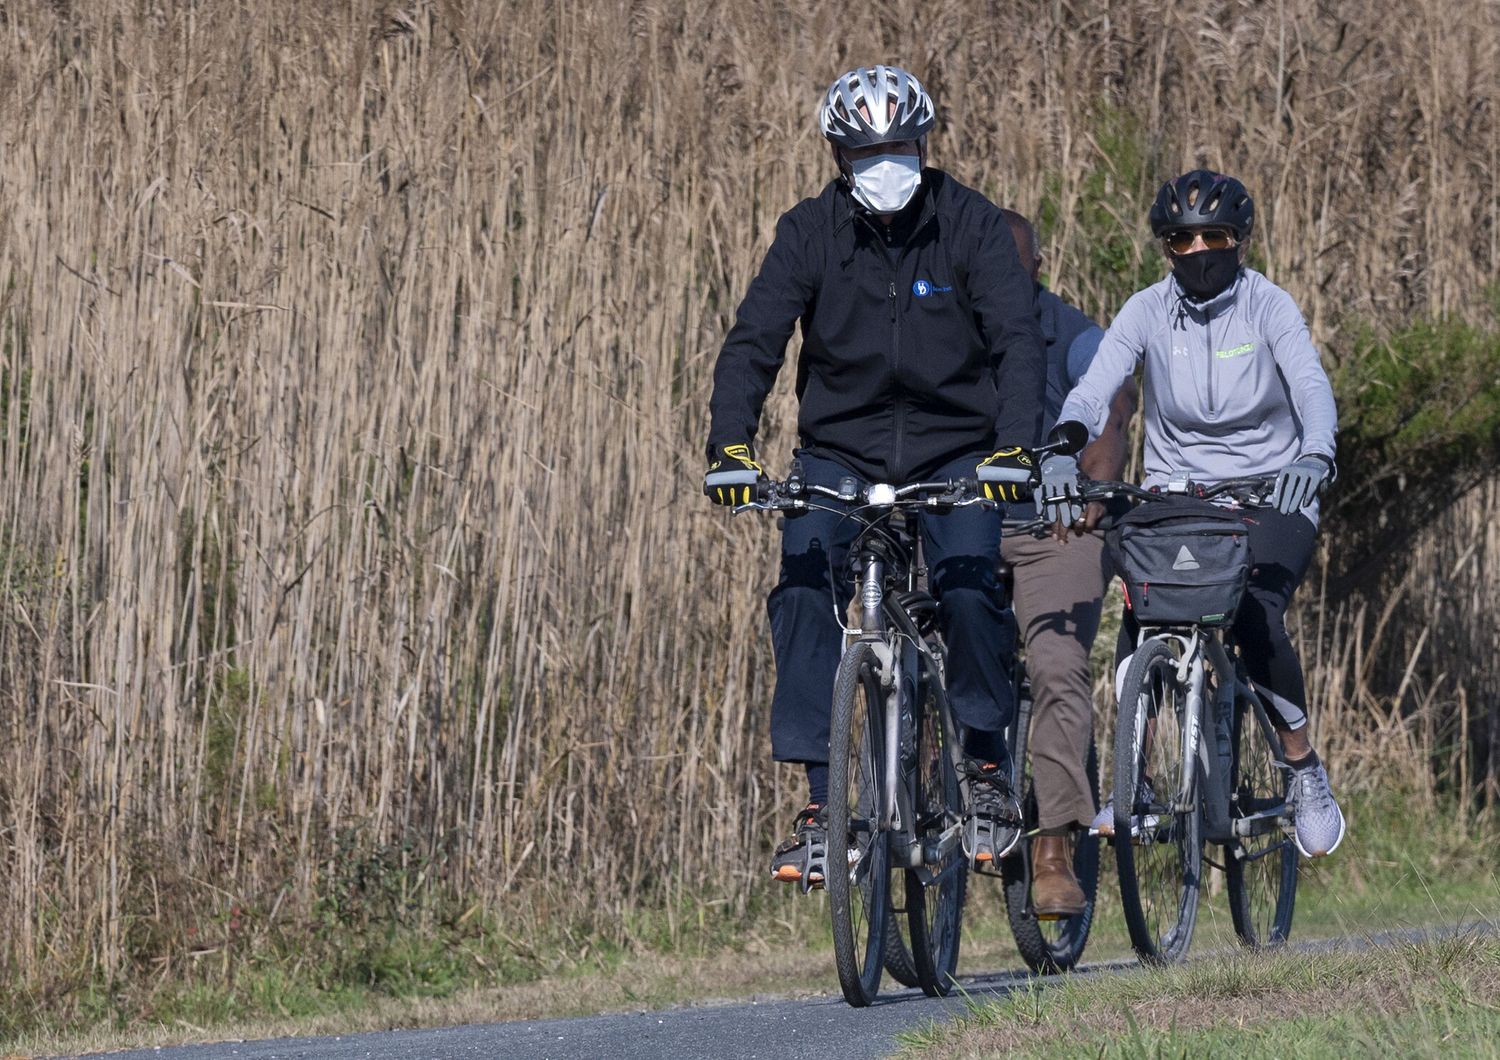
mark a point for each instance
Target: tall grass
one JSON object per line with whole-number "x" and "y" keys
{"x": 355, "y": 368}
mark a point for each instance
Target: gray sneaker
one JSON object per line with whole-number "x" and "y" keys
{"x": 1319, "y": 824}
{"x": 1104, "y": 821}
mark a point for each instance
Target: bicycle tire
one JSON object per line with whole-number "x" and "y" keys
{"x": 925, "y": 953}
{"x": 935, "y": 910}
{"x": 1261, "y": 869}
{"x": 1050, "y": 947}
{"x": 858, "y": 889}
{"x": 899, "y": 961}
{"x": 1161, "y": 870}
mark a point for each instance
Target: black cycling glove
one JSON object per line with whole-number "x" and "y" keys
{"x": 732, "y": 475}
{"x": 1006, "y": 474}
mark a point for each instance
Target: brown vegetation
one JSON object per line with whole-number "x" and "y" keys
{"x": 355, "y": 371}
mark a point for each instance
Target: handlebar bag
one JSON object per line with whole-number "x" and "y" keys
{"x": 1183, "y": 561}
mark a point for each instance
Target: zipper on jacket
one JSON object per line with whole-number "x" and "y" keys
{"x": 1208, "y": 348}
{"x": 899, "y": 396}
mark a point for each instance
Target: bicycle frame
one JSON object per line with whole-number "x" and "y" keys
{"x": 905, "y": 810}
{"x": 904, "y": 654}
{"x": 1204, "y": 650}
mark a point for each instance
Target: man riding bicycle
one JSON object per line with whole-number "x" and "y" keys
{"x": 921, "y": 359}
{"x": 1058, "y": 597}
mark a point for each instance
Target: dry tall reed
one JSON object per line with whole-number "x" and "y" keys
{"x": 355, "y": 369}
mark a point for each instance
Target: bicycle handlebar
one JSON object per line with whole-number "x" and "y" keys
{"x": 1251, "y": 490}
{"x": 794, "y": 494}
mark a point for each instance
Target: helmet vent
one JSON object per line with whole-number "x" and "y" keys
{"x": 1201, "y": 197}
{"x": 875, "y": 105}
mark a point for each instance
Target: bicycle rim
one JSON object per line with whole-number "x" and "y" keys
{"x": 935, "y": 910}
{"x": 1261, "y": 868}
{"x": 858, "y": 892}
{"x": 1160, "y": 865}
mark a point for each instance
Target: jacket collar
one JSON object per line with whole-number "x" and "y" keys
{"x": 846, "y": 210}
{"x": 1213, "y": 306}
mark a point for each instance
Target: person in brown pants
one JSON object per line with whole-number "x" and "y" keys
{"x": 1059, "y": 593}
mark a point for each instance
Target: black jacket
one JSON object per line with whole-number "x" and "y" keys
{"x": 909, "y": 359}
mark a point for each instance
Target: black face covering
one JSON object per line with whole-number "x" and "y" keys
{"x": 1207, "y": 273}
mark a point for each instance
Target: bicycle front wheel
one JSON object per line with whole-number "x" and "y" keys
{"x": 858, "y": 863}
{"x": 1158, "y": 822}
{"x": 1261, "y": 865}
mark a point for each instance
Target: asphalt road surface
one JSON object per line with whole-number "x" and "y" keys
{"x": 822, "y": 1027}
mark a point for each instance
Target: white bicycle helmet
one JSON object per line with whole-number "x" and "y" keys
{"x": 876, "y": 87}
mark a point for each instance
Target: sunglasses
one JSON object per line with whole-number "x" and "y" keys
{"x": 1181, "y": 241}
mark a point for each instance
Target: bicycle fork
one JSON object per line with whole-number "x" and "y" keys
{"x": 872, "y": 629}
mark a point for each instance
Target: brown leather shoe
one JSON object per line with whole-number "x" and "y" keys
{"x": 1054, "y": 889}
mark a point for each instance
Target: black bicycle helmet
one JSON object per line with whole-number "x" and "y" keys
{"x": 875, "y": 88}
{"x": 1203, "y": 198}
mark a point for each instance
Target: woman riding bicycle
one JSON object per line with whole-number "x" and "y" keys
{"x": 1233, "y": 387}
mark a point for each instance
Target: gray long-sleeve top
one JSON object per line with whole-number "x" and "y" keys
{"x": 1233, "y": 386}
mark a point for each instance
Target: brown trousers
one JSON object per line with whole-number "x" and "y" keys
{"x": 1059, "y": 590}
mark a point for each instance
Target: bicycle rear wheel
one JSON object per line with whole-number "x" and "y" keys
{"x": 858, "y": 865}
{"x": 924, "y": 930}
{"x": 935, "y": 898}
{"x": 1261, "y": 867}
{"x": 1051, "y": 946}
{"x": 1156, "y": 788}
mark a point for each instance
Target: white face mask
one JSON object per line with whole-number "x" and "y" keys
{"x": 886, "y": 183}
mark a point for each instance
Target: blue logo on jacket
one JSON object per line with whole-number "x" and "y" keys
{"x": 923, "y": 288}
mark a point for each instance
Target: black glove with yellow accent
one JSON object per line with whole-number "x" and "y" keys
{"x": 1006, "y": 475}
{"x": 732, "y": 475}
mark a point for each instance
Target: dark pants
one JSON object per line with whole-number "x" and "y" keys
{"x": 806, "y": 605}
{"x": 1281, "y": 548}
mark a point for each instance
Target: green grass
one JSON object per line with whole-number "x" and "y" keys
{"x": 1432, "y": 998}
{"x": 367, "y": 959}
{"x": 1395, "y": 870}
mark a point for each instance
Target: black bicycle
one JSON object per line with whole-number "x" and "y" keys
{"x": 1196, "y": 758}
{"x": 896, "y": 851}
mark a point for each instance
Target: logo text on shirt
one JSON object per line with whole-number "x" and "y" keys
{"x": 923, "y": 288}
{"x": 1235, "y": 351}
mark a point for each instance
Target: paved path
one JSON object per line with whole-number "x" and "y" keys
{"x": 770, "y": 1029}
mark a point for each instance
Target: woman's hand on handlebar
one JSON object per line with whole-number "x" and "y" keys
{"x": 1060, "y": 496}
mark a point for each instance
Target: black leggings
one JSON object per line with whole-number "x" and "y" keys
{"x": 1281, "y": 548}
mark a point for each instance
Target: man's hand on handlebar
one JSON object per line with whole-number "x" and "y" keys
{"x": 1006, "y": 474}
{"x": 732, "y": 475}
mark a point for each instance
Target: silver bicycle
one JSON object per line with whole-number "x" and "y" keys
{"x": 896, "y": 855}
{"x": 1196, "y": 758}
